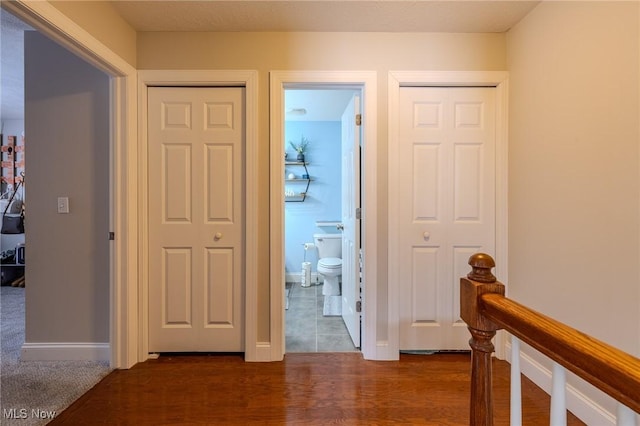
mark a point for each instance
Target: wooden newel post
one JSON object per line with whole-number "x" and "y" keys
{"x": 478, "y": 282}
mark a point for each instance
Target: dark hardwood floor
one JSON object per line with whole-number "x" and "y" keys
{"x": 304, "y": 389}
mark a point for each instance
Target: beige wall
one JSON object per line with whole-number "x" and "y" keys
{"x": 573, "y": 160}
{"x": 110, "y": 29}
{"x": 573, "y": 166}
{"x": 573, "y": 141}
{"x": 264, "y": 52}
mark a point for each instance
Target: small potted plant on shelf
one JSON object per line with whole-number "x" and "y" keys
{"x": 300, "y": 148}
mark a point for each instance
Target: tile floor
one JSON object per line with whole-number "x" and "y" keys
{"x": 307, "y": 330}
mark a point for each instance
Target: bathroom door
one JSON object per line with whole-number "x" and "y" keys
{"x": 350, "y": 222}
{"x": 196, "y": 225}
{"x": 446, "y": 194}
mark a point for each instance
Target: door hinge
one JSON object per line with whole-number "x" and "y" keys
{"x": 359, "y": 306}
{"x": 112, "y": 236}
{"x": 358, "y": 119}
{"x": 358, "y": 213}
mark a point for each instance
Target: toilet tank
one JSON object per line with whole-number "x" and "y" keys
{"x": 329, "y": 245}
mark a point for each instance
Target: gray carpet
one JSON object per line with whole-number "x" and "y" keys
{"x": 32, "y": 391}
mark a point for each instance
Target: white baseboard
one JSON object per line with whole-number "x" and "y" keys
{"x": 586, "y": 409}
{"x": 296, "y": 277}
{"x": 65, "y": 352}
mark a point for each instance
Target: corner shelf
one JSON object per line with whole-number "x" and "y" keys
{"x": 298, "y": 197}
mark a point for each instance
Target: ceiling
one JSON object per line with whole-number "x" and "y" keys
{"x": 265, "y": 15}
{"x": 325, "y": 15}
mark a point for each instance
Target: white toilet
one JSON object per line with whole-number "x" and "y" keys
{"x": 330, "y": 267}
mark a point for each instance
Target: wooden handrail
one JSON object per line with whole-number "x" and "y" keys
{"x": 485, "y": 310}
{"x": 609, "y": 369}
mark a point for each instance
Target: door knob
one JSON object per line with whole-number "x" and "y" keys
{"x": 426, "y": 235}
{"x": 217, "y": 236}
{"x": 340, "y": 226}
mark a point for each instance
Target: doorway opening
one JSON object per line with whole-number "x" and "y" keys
{"x": 322, "y": 146}
{"x": 365, "y": 81}
{"x": 51, "y": 126}
{"x": 123, "y": 331}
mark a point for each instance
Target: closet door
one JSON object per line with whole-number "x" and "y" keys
{"x": 196, "y": 219}
{"x": 447, "y": 196}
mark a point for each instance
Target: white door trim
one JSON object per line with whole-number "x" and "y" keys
{"x": 45, "y": 18}
{"x": 249, "y": 79}
{"x": 397, "y": 79}
{"x": 367, "y": 81}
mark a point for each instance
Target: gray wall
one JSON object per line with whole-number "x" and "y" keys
{"x": 67, "y": 134}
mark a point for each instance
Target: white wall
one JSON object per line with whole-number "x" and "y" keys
{"x": 574, "y": 188}
{"x": 12, "y": 127}
{"x": 67, "y": 123}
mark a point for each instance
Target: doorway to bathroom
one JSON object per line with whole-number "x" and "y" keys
{"x": 322, "y": 261}
{"x": 372, "y": 344}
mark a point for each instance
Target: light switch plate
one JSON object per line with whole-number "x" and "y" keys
{"x": 63, "y": 204}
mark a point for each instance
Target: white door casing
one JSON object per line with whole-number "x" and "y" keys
{"x": 196, "y": 225}
{"x": 256, "y": 348}
{"x": 371, "y": 345}
{"x": 350, "y": 223}
{"x": 397, "y": 165}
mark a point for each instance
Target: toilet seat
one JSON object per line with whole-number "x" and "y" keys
{"x": 330, "y": 263}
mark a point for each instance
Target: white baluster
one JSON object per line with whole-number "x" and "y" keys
{"x": 558, "y": 398}
{"x": 625, "y": 416}
{"x": 516, "y": 388}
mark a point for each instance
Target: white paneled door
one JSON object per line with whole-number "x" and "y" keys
{"x": 350, "y": 222}
{"x": 446, "y": 187}
{"x": 196, "y": 219}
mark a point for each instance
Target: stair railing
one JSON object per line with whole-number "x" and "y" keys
{"x": 485, "y": 310}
